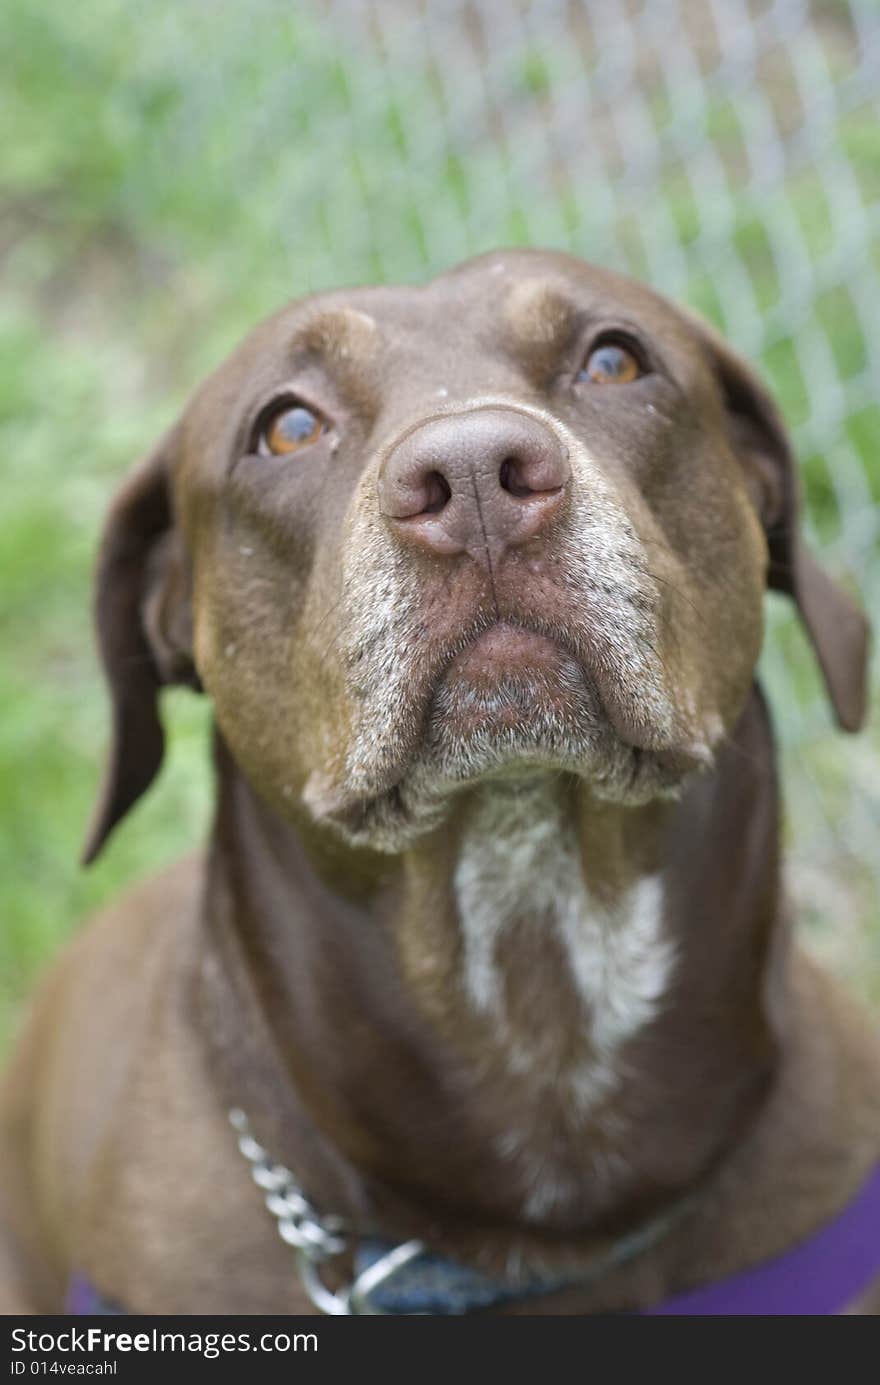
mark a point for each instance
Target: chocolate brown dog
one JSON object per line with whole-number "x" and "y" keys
{"x": 489, "y": 942}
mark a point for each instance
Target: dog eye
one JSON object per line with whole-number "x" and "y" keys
{"x": 610, "y": 364}
{"x": 289, "y": 429}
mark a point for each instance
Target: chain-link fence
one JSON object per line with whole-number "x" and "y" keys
{"x": 726, "y": 151}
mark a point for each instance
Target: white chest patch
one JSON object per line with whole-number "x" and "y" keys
{"x": 520, "y": 860}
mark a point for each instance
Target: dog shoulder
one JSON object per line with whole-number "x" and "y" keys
{"x": 84, "y": 1034}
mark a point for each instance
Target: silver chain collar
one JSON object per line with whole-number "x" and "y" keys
{"x": 317, "y": 1238}
{"x": 314, "y": 1237}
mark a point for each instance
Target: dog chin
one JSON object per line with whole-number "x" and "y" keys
{"x": 521, "y": 726}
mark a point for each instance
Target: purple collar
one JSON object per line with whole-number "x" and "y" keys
{"x": 819, "y": 1277}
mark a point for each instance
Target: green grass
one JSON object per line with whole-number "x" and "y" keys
{"x": 169, "y": 173}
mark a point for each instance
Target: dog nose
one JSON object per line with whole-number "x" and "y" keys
{"x": 478, "y": 482}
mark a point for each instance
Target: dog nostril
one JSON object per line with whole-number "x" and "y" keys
{"x": 437, "y": 493}
{"x": 511, "y": 478}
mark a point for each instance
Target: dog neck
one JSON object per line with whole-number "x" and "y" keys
{"x": 552, "y": 1015}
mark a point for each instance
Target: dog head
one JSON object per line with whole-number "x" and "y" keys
{"x": 407, "y": 538}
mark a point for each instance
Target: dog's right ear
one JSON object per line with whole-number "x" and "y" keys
{"x": 143, "y": 615}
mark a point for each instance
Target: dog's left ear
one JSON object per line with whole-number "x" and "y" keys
{"x": 836, "y": 627}
{"x": 143, "y": 616}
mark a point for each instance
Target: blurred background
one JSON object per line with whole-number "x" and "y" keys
{"x": 174, "y": 169}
